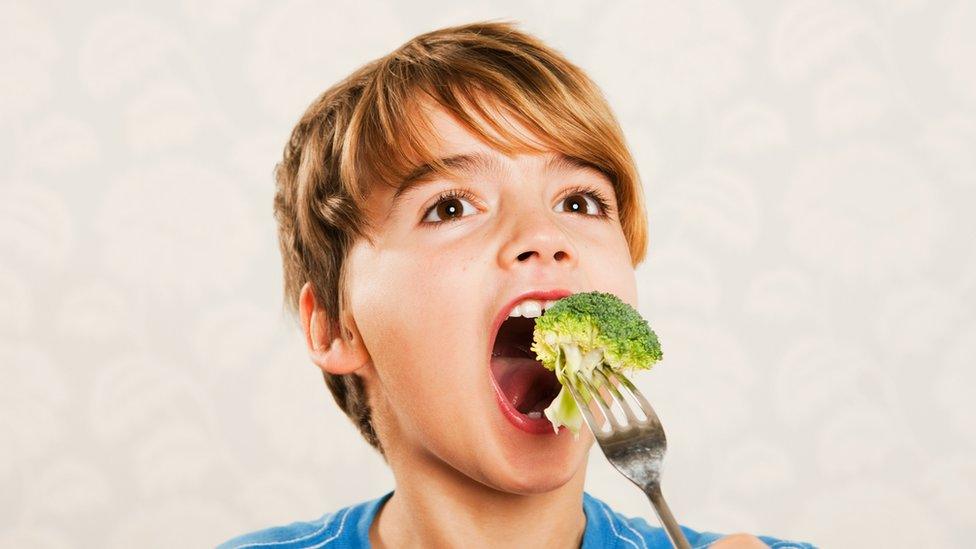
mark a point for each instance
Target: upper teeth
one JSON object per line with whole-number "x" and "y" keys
{"x": 530, "y": 308}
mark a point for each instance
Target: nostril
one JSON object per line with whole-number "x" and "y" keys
{"x": 559, "y": 256}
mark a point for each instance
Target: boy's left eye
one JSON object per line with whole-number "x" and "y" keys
{"x": 583, "y": 203}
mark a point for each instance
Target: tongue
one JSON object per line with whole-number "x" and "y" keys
{"x": 517, "y": 377}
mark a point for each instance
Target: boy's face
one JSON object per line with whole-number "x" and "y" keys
{"x": 424, "y": 299}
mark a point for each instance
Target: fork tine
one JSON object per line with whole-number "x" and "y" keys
{"x": 631, "y": 418}
{"x": 644, "y": 404}
{"x": 612, "y": 420}
{"x": 585, "y": 410}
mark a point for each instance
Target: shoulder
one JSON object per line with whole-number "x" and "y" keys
{"x": 347, "y": 528}
{"x": 324, "y": 531}
{"x": 613, "y": 529}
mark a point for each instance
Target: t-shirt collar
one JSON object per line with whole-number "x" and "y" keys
{"x": 596, "y": 534}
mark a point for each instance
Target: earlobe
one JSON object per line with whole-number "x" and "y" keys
{"x": 336, "y": 353}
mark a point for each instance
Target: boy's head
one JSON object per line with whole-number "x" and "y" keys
{"x": 397, "y": 262}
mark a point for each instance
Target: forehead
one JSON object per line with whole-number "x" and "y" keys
{"x": 465, "y": 153}
{"x": 449, "y": 136}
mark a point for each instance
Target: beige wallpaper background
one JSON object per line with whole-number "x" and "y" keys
{"x": 810, "y": 173}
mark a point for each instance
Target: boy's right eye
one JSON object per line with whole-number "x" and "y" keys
{"x": 449, "y": 207}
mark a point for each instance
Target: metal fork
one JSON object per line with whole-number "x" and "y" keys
{"x": 636, "y": 448}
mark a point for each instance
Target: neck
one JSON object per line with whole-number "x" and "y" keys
{"x": 435, "y": 505}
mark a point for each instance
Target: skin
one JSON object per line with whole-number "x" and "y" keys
{"x": 416, "y": 330}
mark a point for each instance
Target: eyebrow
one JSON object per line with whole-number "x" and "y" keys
{"x": 469, "y": 164}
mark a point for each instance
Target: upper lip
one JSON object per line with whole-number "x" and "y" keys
{"x": 502, "y": 314}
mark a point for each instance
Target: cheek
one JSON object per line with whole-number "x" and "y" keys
{"x": 609, "y": 266}
{"x": 419, "y": 323}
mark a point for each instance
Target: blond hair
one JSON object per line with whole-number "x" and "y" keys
{"x": 370, "y": 128}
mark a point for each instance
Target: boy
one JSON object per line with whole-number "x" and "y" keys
{"x": 419, "y": 201}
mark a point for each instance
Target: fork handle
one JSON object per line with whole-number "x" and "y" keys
{"x": 667, "y": 520}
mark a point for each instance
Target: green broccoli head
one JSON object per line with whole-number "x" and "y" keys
{"x": 596, "y": 320}
{"x": 585, "y": 331}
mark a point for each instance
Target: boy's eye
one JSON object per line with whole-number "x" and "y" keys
{"x": 582, "y": 203}
{"x": 447, "y": 208}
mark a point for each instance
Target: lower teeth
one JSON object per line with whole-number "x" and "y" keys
{"x": 534, "y": 415}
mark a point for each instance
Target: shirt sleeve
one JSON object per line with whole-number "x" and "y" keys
{"x": 288, "y": 536}
{"x": 702, "y": 540}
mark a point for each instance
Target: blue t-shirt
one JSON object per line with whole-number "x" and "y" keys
{"x": 348, "y": 528}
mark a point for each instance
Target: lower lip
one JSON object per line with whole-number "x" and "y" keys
{"x": 541, "y": 426}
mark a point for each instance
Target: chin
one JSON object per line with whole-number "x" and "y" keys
{"x": 535, "y": 482}
{"x": 540, "y": 470}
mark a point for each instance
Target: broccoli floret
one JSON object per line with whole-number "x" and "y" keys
{"x": 585, "y": 331}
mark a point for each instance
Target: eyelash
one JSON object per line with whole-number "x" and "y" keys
{"x": 605, "y": 207}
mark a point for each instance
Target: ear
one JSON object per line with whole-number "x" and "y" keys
{"x": 334, "y": 348}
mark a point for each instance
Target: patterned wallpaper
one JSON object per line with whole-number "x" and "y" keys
{"x": 810, "y": 178}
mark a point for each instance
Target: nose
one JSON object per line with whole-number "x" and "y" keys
{"x": 536, "y": 237}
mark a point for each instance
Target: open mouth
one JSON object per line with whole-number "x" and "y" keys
{"x": 525, "y": 386}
